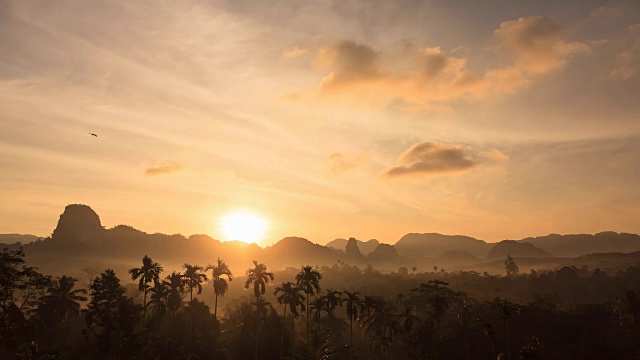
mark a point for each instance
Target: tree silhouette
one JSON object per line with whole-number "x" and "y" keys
{"x": 490, "y": 333}
{"x": 175, "y": 284}
{"x": 353, "y": 302}
{"x": 158, "y": 294}
{"x": 380, "y": 324}
{"x": 258, "y": 276}
{"x": 111, "y": 317}
{"x": 319, "y": 304}
{"x": 627, "y": 308}
{"x": 436, "y": 295}
{"x": 407, "y": 318}
{"x": 333, "y": 300}
{"x": 20, "y": 288}
{"x": 309, "y": 280}
{"x": 61, "y": 299}
{"x": 510, "y": 266}
{"x": 220, "y": 285}
{"x": 262, "y": 308}
{"x": 194, "y": 276}
{"x": 506, "y": 310}
{"x": 148, "y": 272}
{"x": 289, "y": 294}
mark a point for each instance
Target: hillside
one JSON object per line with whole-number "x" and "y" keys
{"x": 433, "y": 244}
{"x": 516, "y": 249}
{"x": 17, "y": 238}
{"x": 581, "y": 244}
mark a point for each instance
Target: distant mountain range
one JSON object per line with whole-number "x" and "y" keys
{"x": 80, "y": 240}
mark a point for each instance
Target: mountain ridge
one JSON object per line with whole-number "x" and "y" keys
{"x": 80, "y": 234}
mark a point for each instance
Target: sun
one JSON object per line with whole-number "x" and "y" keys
{"x": 243, "y": 226}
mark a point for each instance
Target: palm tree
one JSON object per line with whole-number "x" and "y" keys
{"x": 506, "y": 309}
{"x": 262, "y": 307}
{"x": 220, "y": 285}
{"x": 352, "y": 301}
{"x": 158, "y": 297}
{"x": 380, "y": 324}
{"x": 333, "y": 300}
{"x": 259, "y": 277}
{"x": 148, "y": 272}
{"x": 318, "y": 304}
{"x": 175, "y": 283}
{"x": 61, "y": 300}
{"x": 194, "y": 277}
{"x": 290, "y": 295}
{"x": 309, "y": 280}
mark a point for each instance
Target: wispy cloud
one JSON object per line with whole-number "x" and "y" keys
{"x": 340, "y": 163}
{"x": 296, "y": 52}
{"x": 164, "y": 168}
{"x": 627, "y": 62}
{"x": 538, "y": 44}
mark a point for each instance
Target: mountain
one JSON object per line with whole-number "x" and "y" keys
{"x": 516, "y": 249}
{"x": 382, "y": 253}
{"x": 455, "y": 257}
{"x": 582, "y": 244}
{"x": 352, "y": 252}
{"x": 81, "y": 241}
{"x": 296, "y": 251}
{"x": 365, "y": 247}
{"x": 17, "y": 238}
{"x": 433, "y": 244}
{"x": 78, "y": 223}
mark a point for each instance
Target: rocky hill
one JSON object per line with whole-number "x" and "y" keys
{"x": 365, "y": 247}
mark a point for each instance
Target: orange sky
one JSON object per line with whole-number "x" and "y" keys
{"x": 371, "y": 119}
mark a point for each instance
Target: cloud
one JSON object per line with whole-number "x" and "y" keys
{"x": 432, "y": 158}
{"x": 164, "y": 168}
{"x": 537, "y": 43}
{"x": 627, "y": 62}
{"x": 494, "y": 155}
{"x": 296, "y": 52}
{"x": 348, "y": 63}
{"x": 606, "y": 13}
{"x": 427, "y": 78}
{"x": 340, "y": 163}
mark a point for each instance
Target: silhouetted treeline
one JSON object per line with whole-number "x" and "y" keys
{"x": 337, "y": 312}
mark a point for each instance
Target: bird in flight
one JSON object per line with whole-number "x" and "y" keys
{"x": 92, "y": 134}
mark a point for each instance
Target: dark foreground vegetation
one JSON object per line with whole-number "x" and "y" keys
{"x": 338, "y": 312}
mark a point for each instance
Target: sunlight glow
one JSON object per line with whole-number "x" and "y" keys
{"x": 243, "y": 226}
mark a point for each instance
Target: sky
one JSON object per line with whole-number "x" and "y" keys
{"x": 370, "y": 119}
